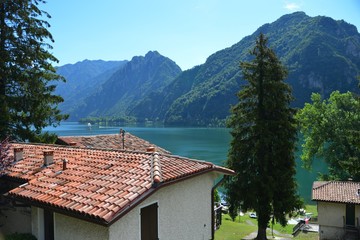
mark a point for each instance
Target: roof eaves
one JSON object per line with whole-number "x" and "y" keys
{"x": 224, "y": 170}
{"x": 334, "y": 201}
{"x": 62, "y": 210}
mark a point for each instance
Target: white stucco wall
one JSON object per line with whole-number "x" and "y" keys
{"x": 15, "y": 219}
{"x": 37, "y": 222}
{"x": 357, "y": 216}
{"x": 331, "y": 217}
{"x": 327, "y": 233}
{"x": 331, "y": 214}
{"x": 331, "y": 220}
{"x": 69, "y": 228}
{"x": 184, "y": 212}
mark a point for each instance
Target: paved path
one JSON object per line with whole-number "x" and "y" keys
{"x": 311, "y": 228}
{"x": 250, "y": 223}
{"x": 254, "y": 234}
{"x": 277, "y": 235}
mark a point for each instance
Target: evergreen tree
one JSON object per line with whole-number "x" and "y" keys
{"x": 5, "y": 160}
{"x": 27, "y": 102}
{"x": 263, "y": 141}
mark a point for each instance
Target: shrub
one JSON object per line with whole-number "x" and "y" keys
{"x": 20, "y": 236}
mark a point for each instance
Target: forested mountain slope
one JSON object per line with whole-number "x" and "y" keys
{"x": 82, "y": 78}
{"x": 126, "y": 87}
{"x": 321, "y": 54}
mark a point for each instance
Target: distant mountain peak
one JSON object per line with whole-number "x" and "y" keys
{"x": 320, "y": 53}
{"x": 128, "y": 85}
{"x": 152, "y": 54}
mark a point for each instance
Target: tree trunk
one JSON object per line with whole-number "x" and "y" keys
{"x": 261, "y": 233}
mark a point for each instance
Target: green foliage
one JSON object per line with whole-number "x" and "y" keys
{"x": 20, "y": 236}
{"x": 44, "y": 137}
{"x": 26, "y": 73}
{"x": 128, "y": 86}
{"x": 263, "y": 141}
{"x": 81, "y": 80}
{"x": 105, "y": 121}
{"x": 320, "y": 53}
{"x": 5, "y": 160}
{"x": 216, "y": 196}
{"x": 243, "y": 226}
{"x": 331, "y": 131}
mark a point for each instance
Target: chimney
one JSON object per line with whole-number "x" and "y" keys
{"x": 18, "y": 153}
{"x": 150, "y": 149}
{"x": 48, "y": 157}
{"x": 64, "y": 164}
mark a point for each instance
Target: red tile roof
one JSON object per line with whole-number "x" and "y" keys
{"x": 110, "y": 141}
{"x": 97, "y": 185}
{"x": 336, "y": 191}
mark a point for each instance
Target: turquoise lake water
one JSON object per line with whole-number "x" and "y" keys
{"x": 208, "y": 144}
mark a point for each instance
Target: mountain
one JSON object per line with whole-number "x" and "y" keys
{"x": 81, "y": 80}
{"x": 128, "y": 85}
{"x": 321, "y": 55}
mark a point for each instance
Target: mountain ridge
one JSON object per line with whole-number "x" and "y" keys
{"x": 320, "y": 53}
{"x": 81, "y": 78}
{"x": 296, "y": 38}
{"x": 136, "y": 79}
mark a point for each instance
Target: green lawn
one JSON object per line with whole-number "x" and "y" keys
{"x": 244, "y": 225}
{"x": 230, "y": 230}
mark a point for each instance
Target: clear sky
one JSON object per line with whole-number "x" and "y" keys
{"x": 186, "y": 31}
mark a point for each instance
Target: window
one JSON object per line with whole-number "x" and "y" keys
{"x": 149, "y": 222}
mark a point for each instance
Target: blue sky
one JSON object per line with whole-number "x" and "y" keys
{"x": 186, "y": 31}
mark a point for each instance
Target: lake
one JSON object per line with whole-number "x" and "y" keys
{"x": 209, "y": 144}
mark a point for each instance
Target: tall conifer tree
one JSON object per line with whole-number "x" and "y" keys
{"x": 263, "y": 142}
{"x": 27, "y": 102}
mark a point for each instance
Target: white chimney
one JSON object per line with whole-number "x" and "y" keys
{"x": 48, "y": 157}
{"x": 18, "y": 153}
{"x": 150, "y": 149}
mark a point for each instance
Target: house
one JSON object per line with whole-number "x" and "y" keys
{"x": 110, "y": 141}
{"x": 338, "y": 204}
{"x": 67, "y": 192}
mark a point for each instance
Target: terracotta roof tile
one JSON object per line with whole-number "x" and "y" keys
{"x": 97, "y": 184}
{"x": 336, "y": 191}
{"x": 111, "y": 141}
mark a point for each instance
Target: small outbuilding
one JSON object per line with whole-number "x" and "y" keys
{"x": 338, "y": 204}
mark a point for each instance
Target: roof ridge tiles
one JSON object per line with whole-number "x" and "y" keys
{"x": 92, "y": 149}
{"x": 188, "y": 159}
{"x": 156, "y": 175}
